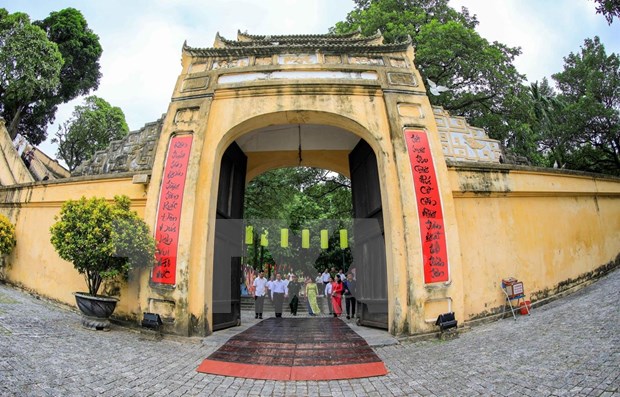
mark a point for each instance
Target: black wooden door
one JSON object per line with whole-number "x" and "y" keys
{"x": 228, "y": 239}
{"x": 369, "y": 242}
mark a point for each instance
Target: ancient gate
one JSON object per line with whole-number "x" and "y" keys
{"x": 341, "y": 102}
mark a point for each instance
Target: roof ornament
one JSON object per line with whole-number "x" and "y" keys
{"x": 436, "y": 89}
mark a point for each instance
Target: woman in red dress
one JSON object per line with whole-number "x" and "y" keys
{"x": 337, "y": 289}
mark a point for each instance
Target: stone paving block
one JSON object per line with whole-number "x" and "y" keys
{"x": 552, "y": 352}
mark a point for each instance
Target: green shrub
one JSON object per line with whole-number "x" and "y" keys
{"x": 7, "y": 236}
{"x": 102, "y": 240}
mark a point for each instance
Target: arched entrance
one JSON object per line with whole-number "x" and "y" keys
{"x": 274, "y": 87}
{"x": 325, "y": 146}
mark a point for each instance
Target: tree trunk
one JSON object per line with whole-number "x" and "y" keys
{"x": 15, "y": 122}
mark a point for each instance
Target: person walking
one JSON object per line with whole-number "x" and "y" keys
{"x": 350, "y": 302}
{"x": 337, "y": 289}
{"x": 260, "y": 290}
{"x": 325, "y": 277}
{"x": 278, "y": 294}
{"x": 311, "y": 293}
{"x": 270, "y": 286}
{"x": 319, "y": 284}
{"x": 328, "y": 294}
{"x": 294, "y": 287}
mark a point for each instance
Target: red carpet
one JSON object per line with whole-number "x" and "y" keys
{"x": 296, "y": 349}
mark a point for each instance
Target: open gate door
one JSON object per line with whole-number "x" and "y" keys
{"x": 228, "y": 239}
{"x": 369, "y": 242}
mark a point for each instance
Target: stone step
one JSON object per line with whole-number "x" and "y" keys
{"x": 247, "y": 304}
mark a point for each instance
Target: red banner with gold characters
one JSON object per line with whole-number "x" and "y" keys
{"x": 428, "y": 200}
{"x": 169, "y": 212}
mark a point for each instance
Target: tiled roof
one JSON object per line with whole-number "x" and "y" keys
{"x": 277, "y": 46}
{"x": 245, "y": 40}
{"x": 241, "y": 36}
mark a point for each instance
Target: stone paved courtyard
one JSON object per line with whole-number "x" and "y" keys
{"x": 568, "y": 347}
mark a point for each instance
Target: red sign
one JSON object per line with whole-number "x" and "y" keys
{"x": 428, "y": 200}
{"x": 169, "y": 213}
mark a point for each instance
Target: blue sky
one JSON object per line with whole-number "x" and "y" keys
{"x": 142, "y": 39}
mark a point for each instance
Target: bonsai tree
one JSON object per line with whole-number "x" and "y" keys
{"x": 7, "y": 236}
{"x": 103, "y": 240}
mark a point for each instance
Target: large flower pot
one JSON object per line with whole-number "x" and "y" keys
{"x": 96, "y": 310}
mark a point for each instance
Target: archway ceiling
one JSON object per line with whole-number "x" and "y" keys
{"x": 287, "y": 137}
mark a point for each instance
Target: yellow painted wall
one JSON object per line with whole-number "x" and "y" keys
{"x": 542, "y": 227}
{"x": 34, "y": 264}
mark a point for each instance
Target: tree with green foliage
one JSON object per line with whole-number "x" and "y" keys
{"x": 103, "y": 241}
{"x": 547, "y": 112}
{"x": 298, "y": 198}
{"x": 482, "y": 80}
{"x": 92, "y": 126}
{"x": 609, "y": 9}
{"x": 44, "y": 64}
{"x": 589, "y": 86}
{"x": 30, "y": 68}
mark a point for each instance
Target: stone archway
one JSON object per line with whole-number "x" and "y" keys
{"x": 365, "y": 88}
{"x": 314, "y": 145}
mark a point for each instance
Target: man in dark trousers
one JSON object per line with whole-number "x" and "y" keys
{"x": 349, "y": 296}
{"x": 294, "y": 287}
{"x": 278, "y": 290}
{"x": 260, "y": 290}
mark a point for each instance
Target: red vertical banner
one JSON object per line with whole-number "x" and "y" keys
{"x": 169, "y": 212}
{"x": 428, "y": 201}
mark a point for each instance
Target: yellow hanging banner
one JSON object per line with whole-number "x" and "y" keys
{"x": 283, "y": 238}
{"x": 249, "y": 235}
{"x": 263, "y": 238}
{"x": 305, "y": 238}
{"x": 324, "y": 239}
{"x": 344, "y": 239}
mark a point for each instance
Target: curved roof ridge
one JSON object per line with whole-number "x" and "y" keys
{"x": 244, "y": 36}
{"x": 262, "y": 49}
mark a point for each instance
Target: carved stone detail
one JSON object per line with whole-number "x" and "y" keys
{"x": 398, "y": 63}
{"x": 402, "y": 79}
{"x": 298, "y": 59}
{"x": 230, "y": 63}
{"x": 362, "y": 60}
{"x": 195, "y": 83}
{"x": 333, "y": 59}
{"x": 411, "y": 110}
{"x": 135, "y": 152}
{"x": 263, "y": 61}
{"x": 185, "y": 115}
{"x": 462, "y": 142}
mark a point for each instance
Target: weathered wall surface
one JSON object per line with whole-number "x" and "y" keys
{"x": 12, "y": 168}
{"x": 34, "y": 264}
{"x": 549, "y": 229}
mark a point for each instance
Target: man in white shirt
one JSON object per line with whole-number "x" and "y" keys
{"x": 270, "y": 286}
{"x": 260, "y": 290}
{"x": 278, "y": 294}
{"x": 325, "y": 277}
{"x": 328, "y": 293}
{"x": 319, "y": 284}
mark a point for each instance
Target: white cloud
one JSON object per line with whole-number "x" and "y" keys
{"x": 546, "y": 30}
{"x": 142, "y": 39}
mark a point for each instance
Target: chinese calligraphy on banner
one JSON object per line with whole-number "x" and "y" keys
{"x": 169, "y": 212}
{"x": 428, "y": 200}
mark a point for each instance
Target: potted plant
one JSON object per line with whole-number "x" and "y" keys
{"x": 7, "y": 238}
{"x": 104, "y": 241}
